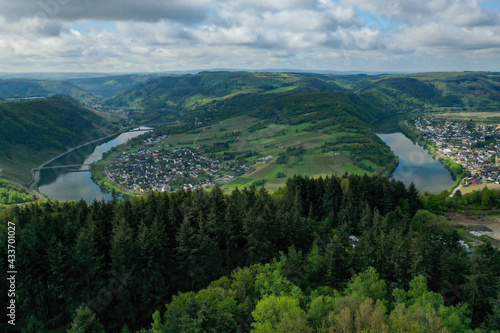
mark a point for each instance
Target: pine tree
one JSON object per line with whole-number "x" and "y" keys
{"x": 121, "y": 292}
{"x": 87, "y": 264}
{"x": 62, "y": 281}
{"x": 335, "y": 262}
{"x": 189, "y": 272}
{"x": 414, "y": 199}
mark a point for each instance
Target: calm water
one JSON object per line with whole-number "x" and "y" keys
{"x": 417, "y": 165}
{"x": 62, "y": 184}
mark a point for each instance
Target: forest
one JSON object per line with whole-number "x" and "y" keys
{"x": 335, "y": 254}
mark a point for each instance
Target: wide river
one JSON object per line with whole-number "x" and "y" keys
{"x": 417, "y": 165}
{"x": 75, "y": 185}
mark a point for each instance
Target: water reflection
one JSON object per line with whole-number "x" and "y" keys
{"x": 64, "y": 184}
{"x": 417, "y": 165}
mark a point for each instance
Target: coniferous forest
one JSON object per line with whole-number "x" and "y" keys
{"x": 204, "y": 261}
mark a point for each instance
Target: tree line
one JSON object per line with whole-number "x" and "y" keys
{"x": 114, "y": 264}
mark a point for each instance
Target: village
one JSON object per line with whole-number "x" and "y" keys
{"x": 151, "y": 169}
{"x": 475, "y": 146}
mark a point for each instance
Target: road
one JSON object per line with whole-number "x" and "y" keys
{"x": 35, "y": 172}
{"x": 452, "y": 194}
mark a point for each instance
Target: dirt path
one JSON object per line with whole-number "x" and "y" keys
{"x": 194, "y": 142}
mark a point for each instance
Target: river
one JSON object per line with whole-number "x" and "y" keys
{"x": 417, "y": 165}
{"x": 61, "y": 184}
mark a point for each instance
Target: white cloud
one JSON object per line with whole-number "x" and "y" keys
{"x": 302, "y": 34}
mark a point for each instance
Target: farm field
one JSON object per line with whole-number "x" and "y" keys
{"x": 474, "y": 116}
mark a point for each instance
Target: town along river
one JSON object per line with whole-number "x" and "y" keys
{"x": 417, "y": 165}
{"x": 76, "y": 184}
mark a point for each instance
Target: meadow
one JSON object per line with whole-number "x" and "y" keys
{"x": 469, "y": 116}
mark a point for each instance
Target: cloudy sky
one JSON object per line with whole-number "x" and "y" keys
{"x": 164, "y": 35}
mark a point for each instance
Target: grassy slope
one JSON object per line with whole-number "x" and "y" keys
{"x": 32, "y": 132}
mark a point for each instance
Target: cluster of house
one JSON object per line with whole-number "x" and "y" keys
{"x": 475, "y": 146}
{"x": 166, "y": 170}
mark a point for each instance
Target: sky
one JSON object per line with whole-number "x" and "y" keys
{"x": 152, "y": 36}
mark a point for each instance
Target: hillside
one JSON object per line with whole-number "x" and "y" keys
{"x": 225, "y": 94}
{"x": 108, "y": 86}
{"x": 189, "y": 92}
{"x": 21, "y": 88}
{"x": 473, "y": 92}
{"x": 33, "y": 131}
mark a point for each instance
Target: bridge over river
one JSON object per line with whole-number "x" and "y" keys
{"x": 72, "y": 166}
{"x": 35, "y": 173}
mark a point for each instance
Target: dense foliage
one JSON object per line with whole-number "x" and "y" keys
{"x": 46, "y": 123}
{"x": 116, "y": 263}
{"x": 13, "y": 195}
{"x": 484, "y": 199}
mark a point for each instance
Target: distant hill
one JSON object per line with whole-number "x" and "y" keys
{"x": 236, "y": 92}
{"x": 32, "y": 132}
{"x": 189, "y": 92}
{"x": 21, "y": 88}
{"x": 475, "y": 91}
{"x": 108, "y": 86}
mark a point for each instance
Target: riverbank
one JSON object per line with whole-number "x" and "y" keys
{"x": 454, "y": 168}
{"x": 77, "y": 184}
{"x": 99, "y": 175}
{"x": 82, "y": 157}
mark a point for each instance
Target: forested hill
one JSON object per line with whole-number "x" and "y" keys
{"x": 189, "y": 92}
{"x": 389, "y": 93}
{"x": 108, "y": 266}
{"x": 431, "y": 91}
{"x": 319, "y": 105}
{"x": 108, "y": 86}
{"x": 21, "y": 88}
{"x": 33, "y": 131}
